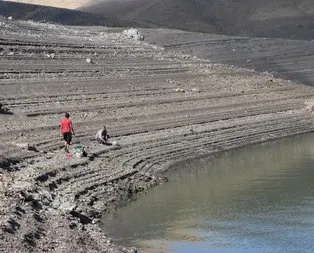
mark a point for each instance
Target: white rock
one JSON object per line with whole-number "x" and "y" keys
{"x": 10, "y": 18}
{"x": 22, "y": 144}
{"x": 195, "y": 90}
{"x": 309, "y": 106}
{"x": 89, "y": 60}
{"x": 179, "y": 90}
{"x": 79, "y": 154}
{"x": 133, "y": 34}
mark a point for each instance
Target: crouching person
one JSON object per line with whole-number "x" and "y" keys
{"x": 102, "y": 136}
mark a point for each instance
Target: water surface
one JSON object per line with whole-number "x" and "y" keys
{"x": 253, "y": 199}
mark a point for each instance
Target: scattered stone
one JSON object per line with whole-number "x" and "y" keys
{"x": 4, "y": 109}
{"x": 179, "y": 90}
{"x": 89, "y": 60}
{"x": 309, "y": 106}
{"x": 32, "y": 148}
{"x": 25, "y": 145}
{"x": 22, "y": 145}
{"x": 195, "y": 90}
{"x": 94, "y": 221}
{"x": 52, "y": 56}
{"x": 66, "y": 207}
{"x": 10, "y": 18}
{"x": 133, "y": 34}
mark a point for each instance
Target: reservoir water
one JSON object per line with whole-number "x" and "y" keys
{"x": 254, "y": 199}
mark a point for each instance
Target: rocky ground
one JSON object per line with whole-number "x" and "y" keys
{"x": 159, "y": 107}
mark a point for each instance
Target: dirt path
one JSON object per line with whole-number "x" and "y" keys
{"x": 160, "y": 108}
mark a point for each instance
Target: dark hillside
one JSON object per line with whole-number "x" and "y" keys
{"x": 282, "y": 18}
{"x": 52, "y": 14}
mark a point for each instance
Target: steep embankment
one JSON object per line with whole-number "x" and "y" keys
{"x": 280, "y": 19}
{"x": 160, "y": 108}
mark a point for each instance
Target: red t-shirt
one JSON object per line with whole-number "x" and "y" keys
{"x": 66, "y": 125}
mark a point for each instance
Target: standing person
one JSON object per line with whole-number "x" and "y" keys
{"x": 102, "y": 136}
{"x": 66, "y": 131}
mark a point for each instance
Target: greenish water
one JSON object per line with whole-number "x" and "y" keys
{"x": 254, "y": 199}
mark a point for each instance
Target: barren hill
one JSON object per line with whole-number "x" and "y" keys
{"x": 51, "y": 14}
{"x": 283, "y": 18}
{"x": 68, "y": 4}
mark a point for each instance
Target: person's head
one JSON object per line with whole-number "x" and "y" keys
{"x": 67, "y": 115}
{"x": 105, "y": 128}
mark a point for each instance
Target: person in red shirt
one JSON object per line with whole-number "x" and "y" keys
{"x": 66, "y": 131}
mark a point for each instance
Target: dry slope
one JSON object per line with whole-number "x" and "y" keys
{"x": 159, "y": 107}
{"x": 68, "y": 4}
{"x": 268, "y": 18}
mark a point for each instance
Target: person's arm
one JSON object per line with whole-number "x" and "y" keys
{"x": 72, "y": 130}
{"x": 106, "y": 136}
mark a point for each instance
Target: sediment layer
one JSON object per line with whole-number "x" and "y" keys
{"x": 159, "y": 107}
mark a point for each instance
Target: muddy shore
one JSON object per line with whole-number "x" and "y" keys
{"x": 160, "y": 108}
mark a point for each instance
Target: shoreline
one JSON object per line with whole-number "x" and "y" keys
{"x": 160, "y": 108}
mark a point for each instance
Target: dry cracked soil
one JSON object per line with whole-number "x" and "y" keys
{"x": 160, "y": 107}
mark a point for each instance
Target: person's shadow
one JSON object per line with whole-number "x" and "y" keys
{"x": 107, "y": 143}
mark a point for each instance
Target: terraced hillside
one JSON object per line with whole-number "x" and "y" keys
{"x": 159, "y": 107}
{"x": 288, "y": 59}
